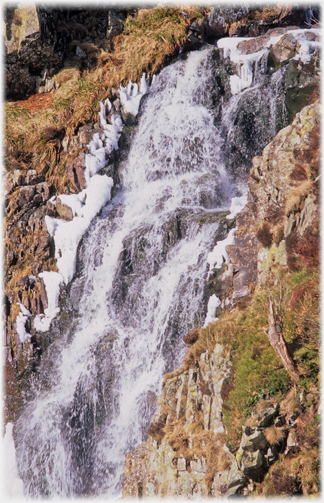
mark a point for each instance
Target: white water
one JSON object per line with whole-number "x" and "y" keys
{"x": 139, "y": 289}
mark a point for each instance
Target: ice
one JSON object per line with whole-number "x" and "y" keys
{"x": 130, "y": 96}
{"x": 13, "y": 487}
{"x": 67, "y": 235}
{"x": 213, "y": 304}
{"x": 218, "y": 256}
{"x": 20, "y": 324}
{"x": 237, "y": 204}
{"x": 52, "y": 281}
{"x": 74, "y": 201}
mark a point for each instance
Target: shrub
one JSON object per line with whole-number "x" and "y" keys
{"x": 264, "y": 235}
{"x": 192, "y": 336}
{"x": 298, "y": 173}
{"x": 284, "y": 483}
{"x": 156, "y": 429}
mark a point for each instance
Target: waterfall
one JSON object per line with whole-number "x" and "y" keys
{"x": 138, "y": 289}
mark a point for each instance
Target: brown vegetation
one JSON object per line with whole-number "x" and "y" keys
{"x": 192, "y": 336}
{"x": 264, "y": 235}
{"x": 274, "y": 435}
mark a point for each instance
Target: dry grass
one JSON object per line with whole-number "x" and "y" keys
{"x": 274, "y": 435}
{"x": 297, "y": 196}
{"x": 264, "y": 235}
{"x": 192, "y": 336}
{"x": 291, "y": 403}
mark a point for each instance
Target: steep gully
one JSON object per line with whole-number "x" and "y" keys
{"x": 141, "y": 273}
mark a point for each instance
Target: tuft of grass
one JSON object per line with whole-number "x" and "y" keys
{"x": 274, "y": 435}
{"x": 297, "y": 196}
{"x": 192, "y": 336}
{"x": 264, "y": 235}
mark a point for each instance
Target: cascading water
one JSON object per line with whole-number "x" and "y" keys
{"x": 139, "y": 288}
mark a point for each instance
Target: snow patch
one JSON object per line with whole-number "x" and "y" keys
{"x": 219, "y": 255}
{"x": 213, "y": 304}
{"x": 237, "y": 205}
{"x": 20, "y": 324}
{"x": 52, "y": 281}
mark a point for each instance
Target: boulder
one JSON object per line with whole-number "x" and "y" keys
{"x": 253, "y": 442}
{"x": 252, "y": 464}
{"x": 284, "y": 50}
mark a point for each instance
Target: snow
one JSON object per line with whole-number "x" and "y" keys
{"x": 13, "y": 486}
{"x": 218, "y": 256}
{"x": 67, "y": 235}
{"x": 20, "y": 324}
{"x": 52, "y": 281}
{"x": 213, "y": 304}
{"x": 237, "y": 204}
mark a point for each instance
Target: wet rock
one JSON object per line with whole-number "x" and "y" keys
{"x": 281, "y": 52}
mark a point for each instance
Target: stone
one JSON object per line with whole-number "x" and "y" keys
{"x": 26, "y": 194}
{"x": 32, "y": 177}
{"x": 30, "y": 39}
{"x": 43, "y": 243}
{"x": 115, "y": 24}
{"x": 182, "y": 465}
{"x": 63, "y": 210}
{"x": 75, "y": 171}
{"x": 284, "y": 50}
{"x": 80, "y": 53}
{"x": 253, "y": 442}
{"x": 85, "y": 135}
{"x": 267, "y": 416}
{"x": 252, "y": 464}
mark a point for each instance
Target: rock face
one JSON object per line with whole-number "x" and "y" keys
{"x": 283, "y": 199}
{"x": 186, "y": 454}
